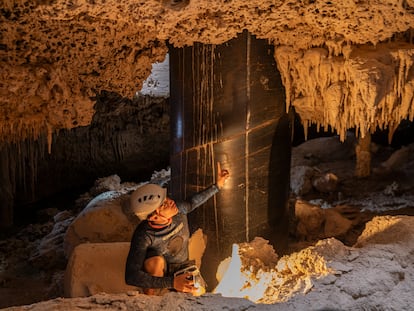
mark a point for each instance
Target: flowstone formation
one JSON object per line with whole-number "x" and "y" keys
{"x": 55, "y": 55}
{"x": 367, "y": 87}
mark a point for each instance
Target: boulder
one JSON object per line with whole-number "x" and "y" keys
{"x": 105, "y": 219}
{"x": 310, "y": 219}
{"x": 398, "y": 158}
{"x": 100, "y": 267}
{"x": 301, "y": 179}
{"x": 314, "y": 222}
{"x": 326, "y": 183}
{"x": 336, "y": 225}
{"x": 323, "y": 149}
{"x": 96, "y": 268}
{"x": 388, "y": 229}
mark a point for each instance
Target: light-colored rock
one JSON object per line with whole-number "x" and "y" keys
{"x": 111, "y": 45}
{"x": 100, "y": 267}
{"x": 376, "y": 276}
{"x": 104, "y": 219}
{"x": 196, "y": 246}
{"x": 363, "y": 156}
{"x": 95, "y": 268}
{"x": 386, "y": 229}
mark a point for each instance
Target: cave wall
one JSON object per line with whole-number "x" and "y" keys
{"x": 126, "y": 137}
{"x": 344, "y": 64}
{"x": 367, "y": 88}
{"x": 56, "y": 55}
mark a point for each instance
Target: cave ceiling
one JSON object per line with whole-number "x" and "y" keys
{"x": 343, "y": 63}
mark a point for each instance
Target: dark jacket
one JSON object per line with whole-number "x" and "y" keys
{"x": 170, "y": 242}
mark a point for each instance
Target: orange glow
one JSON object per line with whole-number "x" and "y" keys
{"x": 237, "y": 282}
{"x": 253, "y": 272}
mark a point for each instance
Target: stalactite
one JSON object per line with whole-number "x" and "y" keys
{"x": 21, "y": 161}
{"x": 369, "y": 88}
{"x": 31, "y": 162}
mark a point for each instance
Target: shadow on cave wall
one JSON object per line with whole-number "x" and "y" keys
{"x": 126, "y": 137}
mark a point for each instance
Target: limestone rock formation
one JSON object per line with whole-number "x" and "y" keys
{"x": 55, "y": 55}
{"x": 129, "y": 138}
{"x": 104, "y": 219}
{"x": 346, "y": 64}
{"x": 85, "y": 277}
{"x": 365, "y": 87}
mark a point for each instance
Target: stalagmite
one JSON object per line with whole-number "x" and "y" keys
{"x": 363, "y": 156}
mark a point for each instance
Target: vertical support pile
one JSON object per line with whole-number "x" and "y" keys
{"x": 228, "y": 106}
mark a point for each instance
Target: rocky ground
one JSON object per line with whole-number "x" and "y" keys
{"x": 32, "y": 261}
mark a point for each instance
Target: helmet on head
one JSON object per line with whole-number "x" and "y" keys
{"x": 146, "y": 199}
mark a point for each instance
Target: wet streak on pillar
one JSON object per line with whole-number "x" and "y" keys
{"x": 228, "y": 105}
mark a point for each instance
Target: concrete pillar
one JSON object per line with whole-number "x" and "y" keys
{"x": 228, "y": 105}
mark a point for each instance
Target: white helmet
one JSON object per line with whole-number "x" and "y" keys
{"x": 146, "y": 199}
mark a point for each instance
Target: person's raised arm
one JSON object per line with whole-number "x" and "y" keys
{"x": 202, "y": 197}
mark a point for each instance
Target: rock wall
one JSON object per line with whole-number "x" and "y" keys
{"x": 126, "y": 137}
{"x": 55, "y": 55}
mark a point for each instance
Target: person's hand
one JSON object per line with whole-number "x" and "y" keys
{"x": 222, "y": 176}
{"x": 184, "y": 283}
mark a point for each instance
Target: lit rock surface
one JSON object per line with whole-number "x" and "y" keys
{"x": 100, "y": 267}
{"x": 95, "y": 268}
{"x": 362, "y": 87}
{"x": 54, "y": 55}
{"x": 105, "y": 219}
{"x": 375, "y": 274}
{"x": 106, "y": 216}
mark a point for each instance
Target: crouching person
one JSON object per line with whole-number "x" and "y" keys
{"x": 159, "y": 245}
